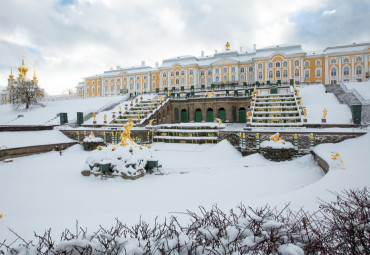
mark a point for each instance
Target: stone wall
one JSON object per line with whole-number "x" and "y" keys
{"x": 24, "y": 128}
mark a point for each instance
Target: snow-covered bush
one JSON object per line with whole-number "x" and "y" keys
{"x": 339, "y": 227}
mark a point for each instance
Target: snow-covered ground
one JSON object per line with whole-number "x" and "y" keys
{"x": 315, "y": 100}
{"x": 48, "y": 190}
{"x": 363, "y": 88}
{"x": 48, "y": 115}
{"x": 32, "y": 138}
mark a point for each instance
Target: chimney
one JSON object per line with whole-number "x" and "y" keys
{"x": 143, "y": 63}
{"x": 156, "y": 64}
{"x": 202, "y": 53}
{"x": 241, "y": 49}
{"x": 215, "y": 51}
{"x": 255, "y": 47}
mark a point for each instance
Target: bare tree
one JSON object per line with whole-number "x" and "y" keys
{"x": 25, "y": 92}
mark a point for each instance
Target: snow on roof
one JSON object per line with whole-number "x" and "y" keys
{"x": 80, "y": 85}
{"x": 347, "y": 48}
{"x": 287, "y": 50}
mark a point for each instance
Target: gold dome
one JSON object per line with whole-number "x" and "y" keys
{"x": 22, "y": 69}
{"x": 11, "y": 76}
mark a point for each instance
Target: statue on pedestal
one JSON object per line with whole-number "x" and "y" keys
{"x": 126, "y": 133}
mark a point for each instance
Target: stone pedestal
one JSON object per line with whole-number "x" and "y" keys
{"x": 105, "y": 122}
{"x": 323, "y": 120}
{"x": 94, "y": 122}
{"x": 305, "y": 120}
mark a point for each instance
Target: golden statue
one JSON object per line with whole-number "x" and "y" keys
{"x": 251, "y": 102}
{"x": 311, "y": 135}
{"x": 151, "y": 107}
{"x": 138, "y": 116}
{"x": 295, "y": 136}
{"x": 305, "y": 113}
{"x": 105, "y": 118}
{"x": 298, "y": 93}
{"x": 141, "y": 95}
{"x": 160, "y": 100}
{"x": 168, "y": 94}
{"x": 151, "y": 122}
{"x": 92, "y": 134}
{"x": 252, "y": 94}
{"x": 249, "y": 114}
{"x": 255, "y": 88}
{"x": 119, "y": 109}
{"x": 219, "y": 121}
{"x": 325, "y": 112}
{"x": 210, "y": 94}
{"x": 126, "y": 133}
{"x": 227, "y": 46}
{"x": 300, "y": 101}
{"x": 257, "y": 135}
{"x": 94, "y": 116}
{"x": 294, "y": 86}
{"x": 131, "y": 102}
{"x": 275, "y": 138}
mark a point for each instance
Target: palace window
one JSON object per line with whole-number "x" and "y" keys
{"x": 118, "y": 80}
{"x": 270, "y": 65}
{"x": 202, "y": 81}
{"x": 182, "y": 81}
{"x": 138, "y": 86}
{"x": 106, "y": 81}
{"x": 285, "y": 63}
{"x": 217, "y": 79}
{"x": 88, "y": 83}
{"x": 285, "y": 73}
{"x": 111, "y": 87}
{"x": 92, "y": 89}
{"x": 191, "y": 71}
{"x": 172, "y": 81}
{"x": 277, "y": 64}
{"x": 346, "y": 71}
{"x": 242, "y": 78}
{"x": 250, "y": 77}
{"x": 359, "y": 59}
{"x": 296, "y": 62}
{"x": 217, "y": 71}
{"x": 106, "y": 88}
{"x": 153, "y": 76}
{"x": 191, "y": 80}
{"x": 209, "y": 80}
{"x": 307, "y": 73}
{"x": 242, "y": 69}
{"x": 333, "y": 72}
{"x": 93, "y": 82}
{"x": 271, "y": 75}
{"x": 333, "y": 61}
{"x": 232, "y": 78}
{"x": 278, "y": 74}
{"x": 98, "y": 81}
{"x": 182, "y": 72}
{"x": 98, "y": 89}
{"x": 225, "y": 70}
{"x": 260, "y": 75}
{"x": 138, "y": 78}
{"x": 124, "y": 79}
{"x": 209, "y": 72}
{"x": 145, "y": 77}
{"x": 87, "y": 90}
{"x": 233, "y": 69}
{"x": 225, "y": 78}
{"x": 318, "y": 72}
{"x": 250, "y": 69}
{"x": 118, "y": 87}
{"x": 307, "y": 63}
{"x": 358, "y": 70}
{"x": 318, "y": 62}
{"x": 164, "y": 82}
{"x": 177, "y": 73}
{"x": 177, "y": 81}
{"x": 201, "y": 73}
{"x": 260, "y": 66}
{"x": 296, "y": 72}
{"x": 346, "y": 60}
{"x": 164, "y": 75}
{"x": 145, "y": 85}
{"x": 124, "y": 86}
{"x": 131, "y": 86}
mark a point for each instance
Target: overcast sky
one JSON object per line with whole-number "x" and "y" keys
{"x": 66, "y": 40}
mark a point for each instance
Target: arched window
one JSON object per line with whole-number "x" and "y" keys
{"x": 307, "y": 63}
{"x": 358, "y": 70}
{"x": 172, "y": 74}
{"x": 111, "y": 87}
{"x": 182, "y": 72}
{"x": 296, "y": 62}
{"x": 250, "y": 77}
{"x": 285, "y": 73}
{"x": 138, "y": 86}
{"x": 87, "y": 90}
{"x": 145, "y": 85}
{"x": 285, "y": 63}
{"x": 233, "y": 69}
{"x": 177, "y": 73}
{"x": 132, "y": 78}
{"x": 202, "y": 81}
{"x": 225, "y": 78}
{"x": 191, "y": 80}
{"x": 217, "y": 79}
{"x": 177, "y": 81}
{"x": 242, "y": 69}
{"x": 318, "y": 62}
{"x": 232, "y": 78}
{"x": 164, "y": 75}
{"x": 270, "y": 65}
{"x": 209, "y": 80}
{"x": 307, "y": 73}
{"x": 250, "y": 69}
{"x": 164, "y": 82}
{"x": 201, "y": 73}
{"x": 260, "y": 75}
{"x": 242, "y": 78}
{"x": 277, "y": 64}
{"x": 318, "y": 72}
{"x": 124, "y": 86}
{"x": 132, "y": 85}
{"x": 271, "y": 74}
{"x": 225, "y": 70}
{"x": 296, "y": 72}
{"x": 191, "y": 71}
{"x": 277, "y": 74}
{"x": 209, "y": 72}
{"x": 92, "y": 89}
{"x": 98, "y": 88}
{"x": 182, "y": 81}
{"x": 346, "y": 71}
{"x": 172, "y": 81}
{"x": 93, "y": 82}
{"x": 217, "y": 71}
{"x": 333, "y": 72}
{"x": 260, "y": 66}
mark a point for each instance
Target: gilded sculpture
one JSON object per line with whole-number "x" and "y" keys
{"x": 219, "y": 121}
{"x": 275, "y": 138}
{"x": 126, "y": 133}
{"x": 324, "y": 113}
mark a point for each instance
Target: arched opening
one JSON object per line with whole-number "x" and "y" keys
{"x": 210, "y": 115}
{"x": 184, "y": 115}
{"x": 242, "y": 115}
{"x": 222, "y": 114}
{"x": 198, "y": 115}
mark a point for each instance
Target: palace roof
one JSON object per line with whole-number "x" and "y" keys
{"x": 355, "y": 47}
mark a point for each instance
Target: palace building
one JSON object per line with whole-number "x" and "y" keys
{"x": 276, "y": 64}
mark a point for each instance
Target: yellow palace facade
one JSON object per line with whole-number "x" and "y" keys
{"x": 275, "y": 64}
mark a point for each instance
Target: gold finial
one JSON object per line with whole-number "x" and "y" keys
{"x": 11, "y": 76}
{"x": 227, "y": 46}
{"x": 324, "y": 113}
{"x": 22, "y": 60}
{"x": 34, "y": 75}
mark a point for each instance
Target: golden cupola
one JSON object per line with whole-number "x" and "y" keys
{"x": 22, "y": 69}
{"x": 11, "y": 76}
{"x": 34, "y": 75}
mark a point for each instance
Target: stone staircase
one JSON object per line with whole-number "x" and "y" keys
{"x": 187, "y": 133}
{"x": 276, "y": 110}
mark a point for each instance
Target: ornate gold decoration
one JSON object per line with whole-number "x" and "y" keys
{"x": 105, "y": 117}
{"x": 227, "y": 46}
{"x": 324, "y": 113}
{"x": 305, "y": 113}
{"x": 94, "y": 116}
{"x": 295, "y": 136}
{"x": 92, "y": 134}
{"x": 311, "y": 136}
{"x": 249, "y": 114}
{"x": 151, "y": 122}
{"x": 126, "y": 133}
{"x": 275, "y": 138}
{"x": 219, "y": 121}
{"x": 11, "y": 76}
{"x": 257, "y": 135}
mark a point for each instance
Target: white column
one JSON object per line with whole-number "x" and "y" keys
{"x": 339, "y": 69}
{"x": 353, "y": 71}
{"x": 302, "y": 70}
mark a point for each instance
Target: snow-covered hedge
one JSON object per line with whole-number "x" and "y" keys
{"x": 339, "y": 227}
